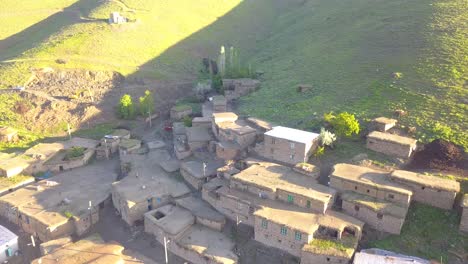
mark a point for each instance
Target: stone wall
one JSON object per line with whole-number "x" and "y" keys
{"x": 388, "y": 223}
{"x": 195, "y": 182}
{"x": 390, "y": 148}
{"x": 227, "y": 153}
{"x": 311, "y": 258}
{"x": 370, "y": 190}
{"x": 232, "y": 208}
{"x": 271, "y": 236}
{"x": 255, "y": 190}
{"x": 85, "y": 222}
{"x": 434, "y": 197}
{"x": 179, "y": 114}
{"x": 302, "y": 201}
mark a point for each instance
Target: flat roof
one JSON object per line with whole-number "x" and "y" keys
{"x": 199, "y": 208}
{"x": 219, "y": 100}
{"x": 47, "y": 203}
{"x": 392, "y": 138}
{"x": 224, "y": 117}
{"x": 46, "y": 150}
{"x": 376, "y": 205}
{"x": 195, "y": 168}
{"x": 209, "y": 243}
{"x": 120, "y": 132}
{"x": 273, "y": 176}
{"x": 14, "y": 182}
{"x": 426, "y": 180}
{"x": 145, "y": 172}
{"x": 174, "y": 219}
{"x": 13, "y": 163}
{"x": 260, "y": 123}
{"x": 91, "y": 249}
{"x": 237, "y": 128}
{"x": 292, "y": 134}
{"x": 129, "y": 143}
{"x": 367, "y": 176}
{"x": 6, "y": 236}
{"x": 343, "y": 248}
{"x": 199, "y": 133}
{"x": 385, "y": 120}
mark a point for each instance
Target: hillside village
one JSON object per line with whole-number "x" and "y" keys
{"x": 204, "y": 190}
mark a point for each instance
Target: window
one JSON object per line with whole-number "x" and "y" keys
{"x": 368, "y": 191}
{"x": 355, "y": 187}
{"x": 272, "y": 151}
{"x": 380, "y": 216}
{"x": 298, "y": 236}
{"x": 273, "y": 141}
{"x": 264, "y": 223}
{"x": 291, "y": 156}
{"x": 328, "y": 259}
{"x": 308, "y": 204}
{"x": 290, "y": 198}
{"x": 292, "y": 145}
{"x": 423, "y": 188}
{"x": 391, "y": 196}
{"x": 356, "y": 208}
{"x": 284, "y": 230}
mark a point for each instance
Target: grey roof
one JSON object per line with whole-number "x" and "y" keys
{"x": 292, "y": 134}
{"x": 6, "y": 236}
{"x": 379, "y": 256}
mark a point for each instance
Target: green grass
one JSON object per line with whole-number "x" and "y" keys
{"x": 428, "y": 232}
{"x": 342, "y": 248}
{"x": 11, "y": 181}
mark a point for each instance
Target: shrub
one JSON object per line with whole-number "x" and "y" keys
{"x": 146, "y": 103}
{"x": 319, "y": 151}
{"x": 68, "y": 214}
{"x": 187, "y": 121}
{"x": 217, "y": 83}
{"x": 74, "y": 152}
{"x": 326, "y": 137}
{"x": 126, "y": 108}
{"x": 344, "y": 124}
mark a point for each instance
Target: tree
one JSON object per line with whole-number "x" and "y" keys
{"x": 146, "y": 103}
{"x": 344, "y": 124}
{"x": 326, "y": 137}
{"x": 126, "y": 107}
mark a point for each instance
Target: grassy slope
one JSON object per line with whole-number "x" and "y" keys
{"x": 348, "y": 51}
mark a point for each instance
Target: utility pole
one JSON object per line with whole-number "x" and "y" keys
{"x": 68, "y": 129}
{"x": 204, "y": 169}
{"x": 166, "y": 241}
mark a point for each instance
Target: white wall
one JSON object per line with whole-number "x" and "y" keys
{"x": 13, "y": 244}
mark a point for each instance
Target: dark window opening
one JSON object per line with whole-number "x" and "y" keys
{"x": 380, "y": 216}
{"x": 158, "y": 215}
{"x": 356, "y": 208}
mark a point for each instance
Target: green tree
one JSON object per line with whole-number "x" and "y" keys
{"x": 147, "y": 103}
{"x": 126, "y": 107}
{"x": 344, "y": 124}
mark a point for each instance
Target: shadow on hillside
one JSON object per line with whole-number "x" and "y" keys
{"x": 36, "y": 34}
{"x": 241, "y": 27}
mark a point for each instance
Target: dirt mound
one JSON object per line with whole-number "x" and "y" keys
{"x": 439, "y": 154}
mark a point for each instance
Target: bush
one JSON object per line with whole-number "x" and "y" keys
{"x": 147, "y": 103}
{"x": 187, "y": 121}
{"x": 74, "y": 152}
{"x": 344, "y": 124}
{"x": 126, "y": 108}
{"x": 217, "y": 83}
{"x": 319, "y": 151}
{"x": 326, "y": 137}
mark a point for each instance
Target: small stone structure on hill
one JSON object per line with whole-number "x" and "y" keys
{"x": 8, "y": 134}
{"x": 383, "y": 124}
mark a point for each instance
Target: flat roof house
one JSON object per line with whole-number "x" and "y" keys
{"x": 431, "y": 190}
{"x": 464, "y": 217}
{"x": 288, "y": 229}
{"x": 146, "y": 187}
{"x": 63, "y": 205}
{"x": 289, "y": 145}
{"x": 219, "y": 118}
{"x": 193, "y": 242}
{"x": 8, "y": 134}
{"x": 370, "y": 182}
{"x": 219, "y": 104}
{"x": 278, "y": 182}
{"x": 198, "y": 137}
{"x": 383, "y": 124}
{"x": 196, "y": 174}
{"x": 390, "y": 144}
{"x": 12, "y": 166}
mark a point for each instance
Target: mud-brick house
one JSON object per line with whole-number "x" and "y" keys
{"x": 201, "y": 122}
{"x": 219, "y": 118}
{"x": 289, "y": 145}
{"x": 379, "y": 214}
{"x": 390, "y": 144}
{"x": 464, "y": 217}
{"x": 109, "y": 144}
{"x": 194, "y": 242}
{"x": 198, "y": 137}
{"x": 146, "y": 187}
{"x": 219, "y": 104}
{"x": 431, "y": 190}
{"x": 243, "y": 135}
{"x": 383, "y": 124}
{"x": 180, "y": 111}
{"x": 12, "y": 166}
{"x": 235, "y": 88}
{"x": 63, "y": 205}
{"x": 197, "y": 173}
{"x": 129, "y": 146}
{"x": 226, "y": 150}
{"x": 283, "y": 227}
{"x": 370, "y": 182}
{"x": 276, "y": 182}
{"x": 8, "y": 134}
{"x": 203, "y": 212}
{"x": 67, "y": 159}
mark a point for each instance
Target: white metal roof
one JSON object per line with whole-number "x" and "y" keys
{"x": 366, "y": 258}
{"x": 292, "y": 134}
{"x": 6, "y": 236}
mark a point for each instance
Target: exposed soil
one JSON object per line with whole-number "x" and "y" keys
{"x": 53, "y": 98}
{"x": 440, "y": 155}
